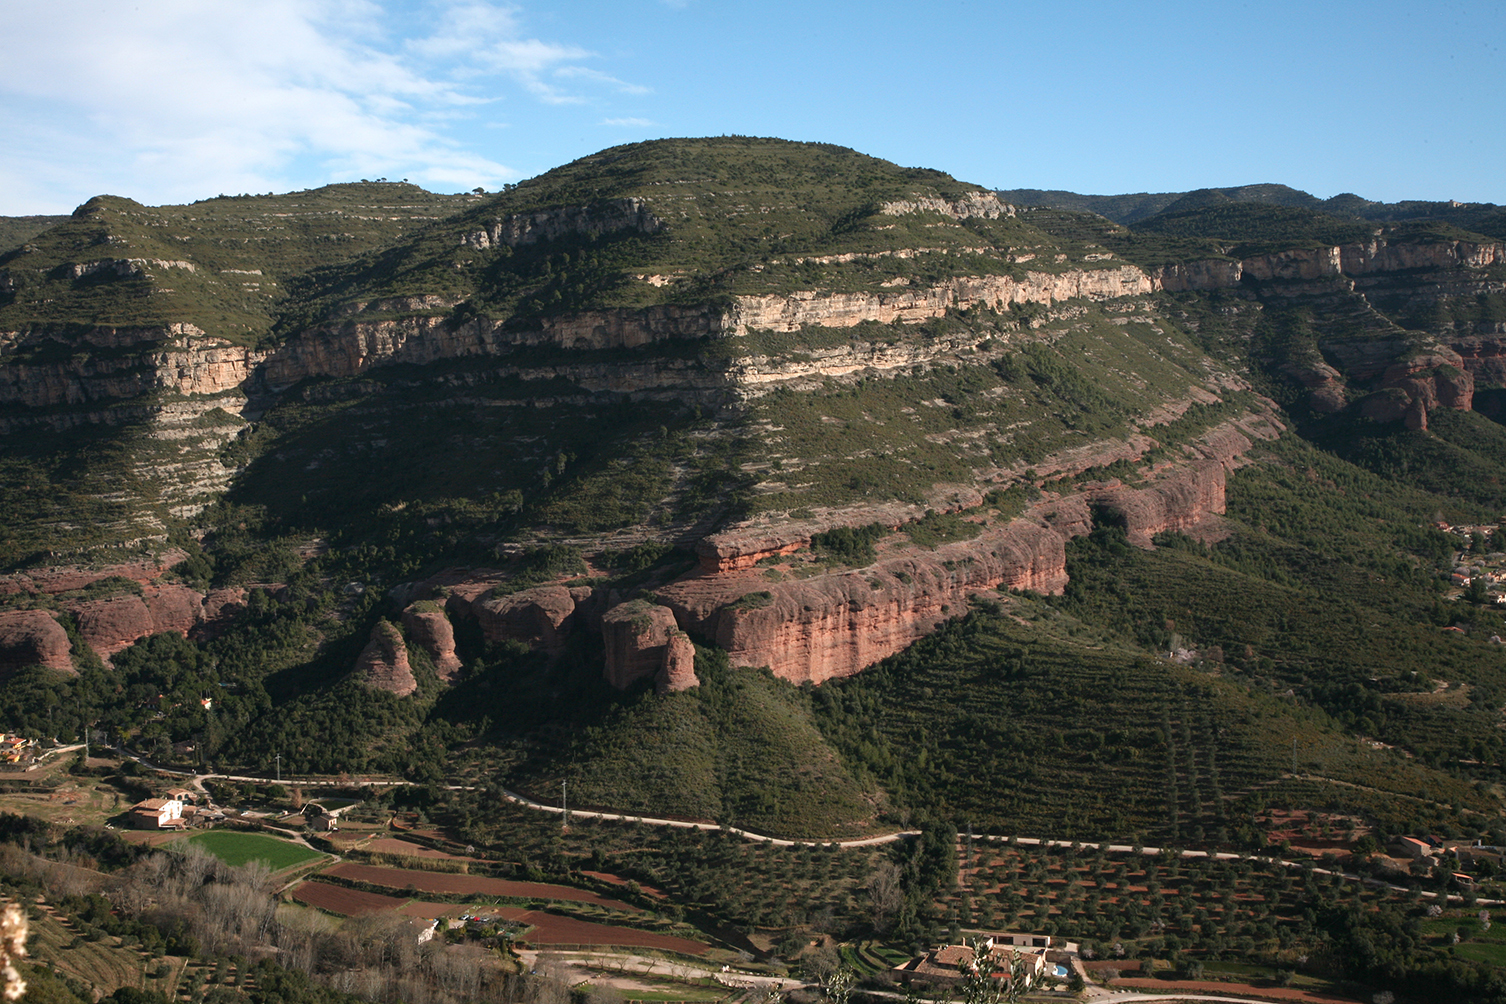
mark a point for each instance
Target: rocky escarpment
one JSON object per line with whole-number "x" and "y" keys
{"x": 179, "y": 358}
{"x": 643, "y": 641}
{"x": 602, "y": 217}
{"x": 33, "y": 638}
{"x": 836, "y": 625}
{"x": 351, "y": 347}
{"x": 429, "y": 628}
{"x": 984, "y": 205}
{"x": 383, "y": 663}
{"x": 1348, "y": 260}
{"x": 112, "y": 623}
{"x": 541, "y": 617}
{"x": 791, "y": 312}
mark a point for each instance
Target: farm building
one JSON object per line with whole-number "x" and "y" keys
{"x": 157, "y": 814}
{"x": 950, "y": 963}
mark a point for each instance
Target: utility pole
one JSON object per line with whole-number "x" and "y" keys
{"x": 564, "y": 807}
{"x": 278, "y": 759}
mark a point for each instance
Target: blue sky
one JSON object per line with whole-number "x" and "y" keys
{"x": 171, "y": 100}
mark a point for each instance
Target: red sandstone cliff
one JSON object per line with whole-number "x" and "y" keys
{"x": 383, "y": 663}
{"x": 836, "y": 625}
{"x": 643, "y": 642}
{"x": 33, "y": 638}
{"x": 430, "y": 629}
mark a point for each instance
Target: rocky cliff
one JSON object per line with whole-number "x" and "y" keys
{"x": 643, "y": 641}
{"x": 429, "y": 628}
{"x": 383, "y": 663}
{"x": 33, "y": 638}
{"x": 836, "y": 625}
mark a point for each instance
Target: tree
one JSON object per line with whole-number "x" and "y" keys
{"x": 839, "y": 985}
{"x": 979, "y": 983}
{"x": 885, "y": 895}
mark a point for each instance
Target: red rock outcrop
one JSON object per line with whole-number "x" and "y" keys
{"x": 678, "y": 671}
{"x": 110, "y": 625}
{"x": 836, "y": 625}
{"x": 643, "y": 642}
{"x": 429, "y": 628}
{"x": 33, "y": 638}
{"x": 383, "y": 663}
{"x": 1483, "y": 354}
{"x": 541, "y": 617}
{"x": 1325, "y": 386}
{"x": 222, "y": 606}
{"x": 66, "y": 578}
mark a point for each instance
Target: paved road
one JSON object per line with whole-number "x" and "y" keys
{"x": 684, "y": 824}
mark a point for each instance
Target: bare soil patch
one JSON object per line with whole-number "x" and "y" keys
{"x": 346, "y": 902}
{"x": 1232, "y": 989}
{"x": 430, "y": 911}
{"x": 468, "y": 885}
{"x": 549, "y": 929}
{"x": 398, "y": 846}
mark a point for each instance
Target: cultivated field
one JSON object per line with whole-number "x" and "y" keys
{"x": 236, "y": 849}
{"x": 551, "y": 929}
{"x": 403, "y": 848}
{"x": 467, "y": 885}
{"x": 346, "y": 902}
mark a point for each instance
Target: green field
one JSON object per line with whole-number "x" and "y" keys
{"x": 236, "y": 849}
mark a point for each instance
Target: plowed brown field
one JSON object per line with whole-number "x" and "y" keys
{"x": 466, "y": 885}
{"x": 346, "y": 902}
{"x": 549, "y": 929}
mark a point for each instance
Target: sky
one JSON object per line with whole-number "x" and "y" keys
{"x": 168, "y": 101}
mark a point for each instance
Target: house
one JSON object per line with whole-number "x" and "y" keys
{"x": 183, "y": 795}
{"x": 320, "y": 818}
{"x": 951, "y": 963}
{"x": 1413, "y": 848}
{"x": 157, "y": 814}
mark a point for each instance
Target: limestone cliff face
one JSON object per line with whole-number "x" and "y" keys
{"x": 985, "y": 205}
{"x": 383, "y": 663}
{"x": 1307, "y": 264}
{"x": 911, "y": 306}
{"x": 33, "y": 638}
{"x": 179, "y": 358}
{"x": 350, "y": 347}
{"x": 606, "y": 216}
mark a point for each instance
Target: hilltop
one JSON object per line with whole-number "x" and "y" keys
{"x": 533, "y": 484}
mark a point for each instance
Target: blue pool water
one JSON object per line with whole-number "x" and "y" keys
{"x": 1061, "y": 972}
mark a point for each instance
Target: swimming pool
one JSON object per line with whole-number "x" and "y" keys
{"x": 1062, "y": 972}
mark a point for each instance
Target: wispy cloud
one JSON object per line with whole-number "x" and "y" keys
{"x": 177, "y": 99}
{"x": 596, "y": 76}
{"x": 629, "y": 123}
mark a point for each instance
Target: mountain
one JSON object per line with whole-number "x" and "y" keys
{"x": 1031, "y": 518}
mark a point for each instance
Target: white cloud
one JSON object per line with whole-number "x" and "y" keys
{"x": 586, "y": 73}
{"x": 178, "y": 99}
{"x": 629, "y": 123}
